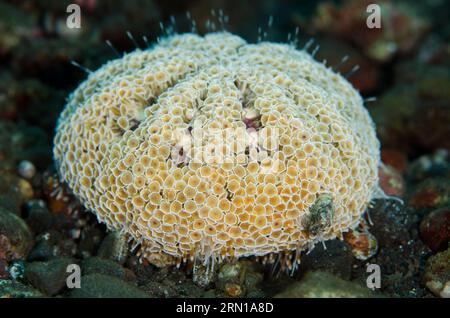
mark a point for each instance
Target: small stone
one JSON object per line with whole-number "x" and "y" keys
{"x": 104, "y": 286}
{"x": 25, "y": 189}
{"x": 97, "y": 265}
{"x": 114, "y": 247}
{"x": 15, "y": 236}
{"x": 436, "y": 276}
{"x": 26, "y": 169}
{"x": 318, "y": 284}
{"x": 49, "y": 277}
{"x": 17, "y": 270}
{"x": 229, "y": 273}
{"x": 431, "y": 194}
{"x": 43, "y": 250}
{"x": 445, "y": 292}
{"x": 435, "y": 229}
{"x": 395, "y": 159}
{"x": 363, "y": 244}
{"x": 391, "y": 181}
{"x": 50, "y": 244}
{"x": 231, "y": 279}
{"x": 233, "y": 290}
{"x": 39, "y": 217}
{"x": 15, "y": 289}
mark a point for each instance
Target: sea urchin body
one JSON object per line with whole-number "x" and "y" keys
{"x": 210, "y": 147}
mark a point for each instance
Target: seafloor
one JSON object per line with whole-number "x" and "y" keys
{"x": 405, "y": 64}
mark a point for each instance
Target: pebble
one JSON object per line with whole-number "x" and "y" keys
{"x": 436, "y": 275}
{"x": 26, "y": 169}
{"x": 363, "y": 244}
{"x": 25, "y": 189}
{"x": 39, "y": 217}
{"x": 320, "y": 284}
{"x": 97, "y": 265}
{"x": 43, "y": 250}
{"x": 230, "y": 279}
{"x": 49, "y": 277}
{"x": 15, "y": 236}
{"x": 15, "y": 289}
{"x": 430, "y": 194}
{"x": 435, "y": 229}
{"x": 114, "y": 247}
{"x": 17, "y": 270}
{"x": 50, "y": 244}
{"x": 391, "y": 181}
{"x": 105, "y": 286}
{"x": 395, "y": 159}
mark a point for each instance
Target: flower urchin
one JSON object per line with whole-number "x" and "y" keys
{"x": 210, "y": 148}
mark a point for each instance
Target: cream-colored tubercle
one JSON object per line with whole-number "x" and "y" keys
{"x": 137, "y": 143}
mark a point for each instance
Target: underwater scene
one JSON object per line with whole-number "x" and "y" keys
{"x": 224, "y": 149}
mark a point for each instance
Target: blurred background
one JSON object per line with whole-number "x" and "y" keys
{"x": 404, "y": 75}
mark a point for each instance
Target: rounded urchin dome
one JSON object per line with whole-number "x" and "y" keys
{"x": 212, "y": 148}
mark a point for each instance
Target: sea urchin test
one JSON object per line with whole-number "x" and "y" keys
{"x": 211, "y": 148}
